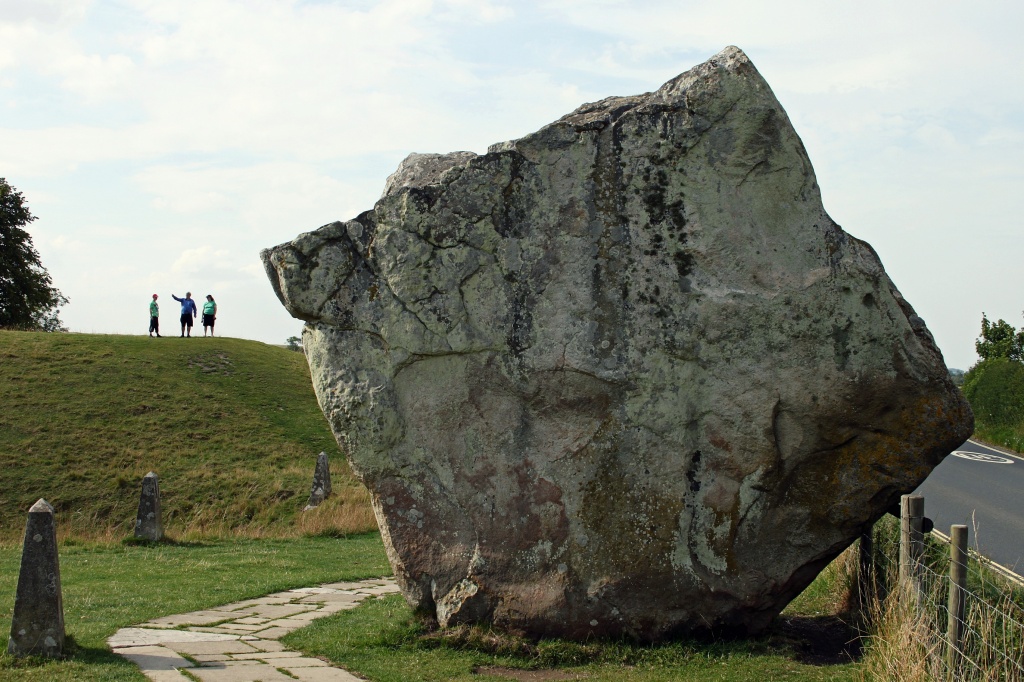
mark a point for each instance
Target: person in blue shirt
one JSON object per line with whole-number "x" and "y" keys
{"x": 188, "y": 312}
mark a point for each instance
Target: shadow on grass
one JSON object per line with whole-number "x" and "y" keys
{"x": 166, "y": 541}
{"x": 811, "y": 640}
{"x": 819, "y": 640}
{"x": 73, "y": 652}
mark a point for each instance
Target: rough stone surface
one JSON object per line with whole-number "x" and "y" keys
{"x": 37, "y": 628}
{"x": 148, "y": 522}
{"x": 622, "y": 376}
{"x": 321, "y": 482}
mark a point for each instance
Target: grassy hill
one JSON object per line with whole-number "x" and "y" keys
{"x": 231, "y": 427}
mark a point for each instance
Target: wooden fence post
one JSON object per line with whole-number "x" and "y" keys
{"x": 911, "y": 539}
{"x": 957, "y": 586}
{"x": 865, "y": 570}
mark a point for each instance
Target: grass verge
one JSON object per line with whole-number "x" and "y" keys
{"x": 107, "y": 587}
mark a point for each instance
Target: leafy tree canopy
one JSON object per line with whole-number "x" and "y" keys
{"x": 995, "y": 389}
{"x": 999, "y": 340}
{"x": 28, "y": 299}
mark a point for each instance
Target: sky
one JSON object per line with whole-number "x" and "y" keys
{"x": 162, "y": 144}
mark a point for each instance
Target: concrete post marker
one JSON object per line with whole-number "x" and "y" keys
{"x": 37, "y": 628}
{"x": 321, "y": 483}
{"x": 238, "y": 642}
{"x": 148, "y": 524}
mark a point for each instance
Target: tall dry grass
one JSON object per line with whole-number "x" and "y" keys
{"x": 900, "y": 641}
{"x": 904, "y": 626}
{"x": 346, "y": 512}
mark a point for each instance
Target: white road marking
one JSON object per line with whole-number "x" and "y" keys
{"x": 982, "y": 457}
{"x": 989, "y": 447}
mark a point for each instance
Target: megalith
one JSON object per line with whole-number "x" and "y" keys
{"x": 148, "y": 522}
{"x": 321, "y": 489}
{"x": 37, "y": 628}
{"x": 623, "y": 376}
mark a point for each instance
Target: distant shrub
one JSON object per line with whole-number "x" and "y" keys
{"x": 995, "y": 390}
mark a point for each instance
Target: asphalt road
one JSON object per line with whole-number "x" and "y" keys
{"x": 984, "y": 489}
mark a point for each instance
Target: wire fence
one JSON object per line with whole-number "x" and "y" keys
{"x": 962, "y": 615}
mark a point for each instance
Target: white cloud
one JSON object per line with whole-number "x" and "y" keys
{"x": 146, "y": 128}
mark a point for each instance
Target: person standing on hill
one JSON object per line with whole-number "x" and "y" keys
{"x": 209, "y": 314}
{"x": 154, "y": 317}
{"x": 188, "y": 312}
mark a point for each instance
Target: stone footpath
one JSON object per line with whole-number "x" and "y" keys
{"x": 238, "y": 642}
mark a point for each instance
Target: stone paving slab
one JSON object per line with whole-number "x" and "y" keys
{"x": 241, "y": 627}
{"x": 301, "y": 662}
{"x": 217, "y": 630}
{"x": 274, "y": 611}
{"x": 243, "y": 646}
{"x": 332, "y": 597}
{"x": 267, "y": 645}
{"x": 235, "y": 647}
{"x": 334, "y": 607}
{"x": 155, "y": 658}
{"x": 267, "y": 656}
{"x": 325, "y": 675}
{"x": 194, "y": 618}
{"x": 249, "y": 603}
{"x": 257, "y": 672}
{"x": 305, "y": 618}
{"x": 139, "y": 636}
{"x": 165, "y": 676}
{"x": 276, "y": 633}
{"x": 352, "y": 586}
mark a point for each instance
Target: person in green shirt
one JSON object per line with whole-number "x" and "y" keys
{"x": 209, "y": 314}
{"x": 154, "y": 317}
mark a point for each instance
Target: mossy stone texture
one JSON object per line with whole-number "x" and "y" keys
{"x": 622, "y": 376}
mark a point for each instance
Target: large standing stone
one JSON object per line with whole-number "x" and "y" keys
{"x": 149, "y": 524}
{"x": 37, "y": 628}
{"x": 321, "y": 489}
{"x": 623, "y": 375}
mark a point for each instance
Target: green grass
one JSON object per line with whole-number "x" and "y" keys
{"x": 383, "y": 641}
{"x": 231, "y": 427}
{"x": 113, "y": 586}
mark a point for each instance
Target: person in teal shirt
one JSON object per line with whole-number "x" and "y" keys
{"x": 209, "y": 314}
{"x": 154, "y": 317}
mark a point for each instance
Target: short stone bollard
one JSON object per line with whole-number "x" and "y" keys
{"x": 148, "y": 524}
{"x": 321, "y": 483}
{"x": 37, "y": 628}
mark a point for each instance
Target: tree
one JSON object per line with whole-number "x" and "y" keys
{"x": 999, "y": 340}
{"x": 294, "y": 343}
{"x": 995, "y": 390}
{"x": 28, "y": 299}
